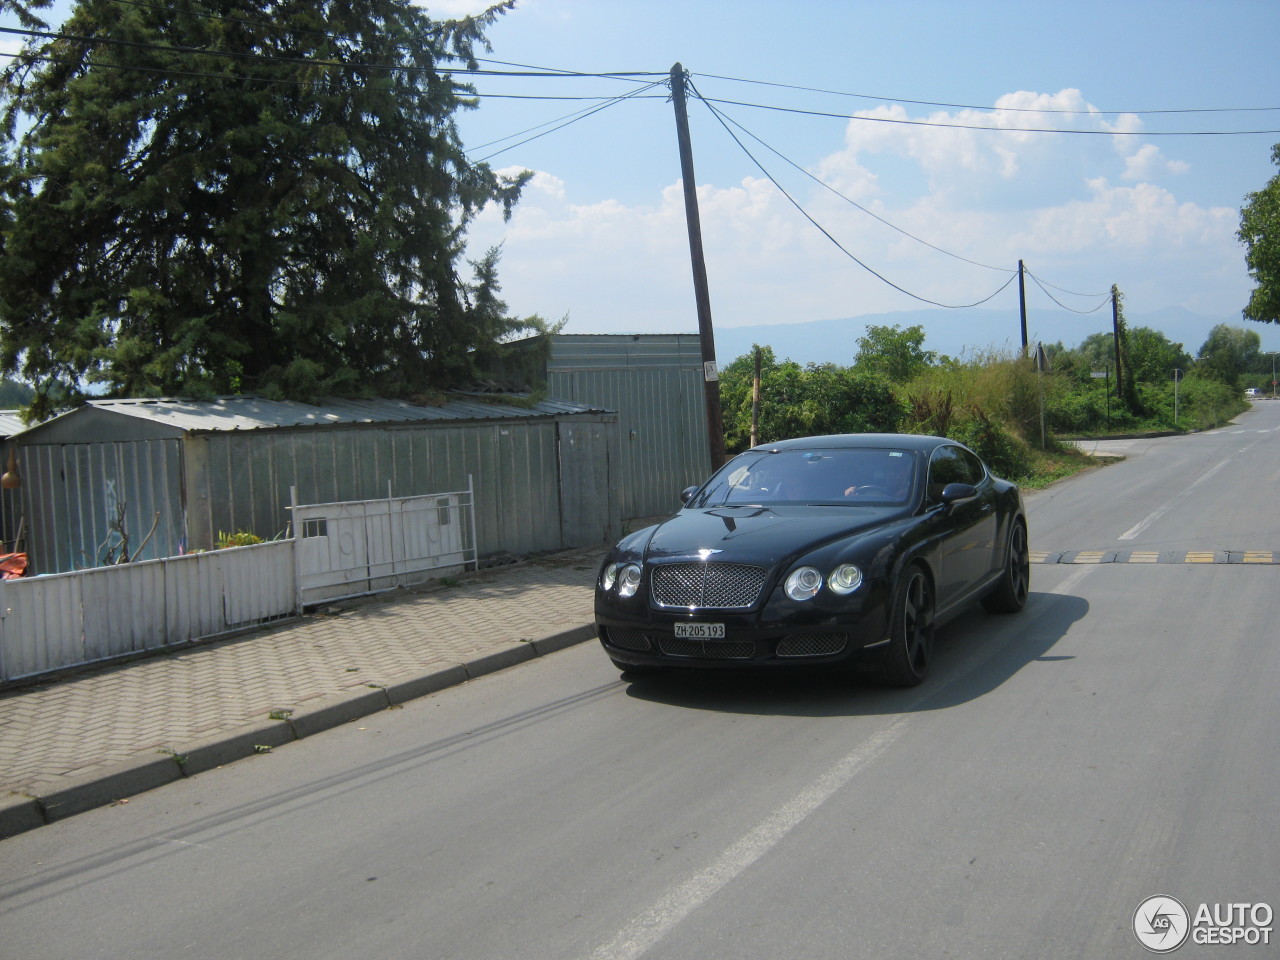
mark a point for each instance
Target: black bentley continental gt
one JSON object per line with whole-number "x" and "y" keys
{"x": 835, "y": 550}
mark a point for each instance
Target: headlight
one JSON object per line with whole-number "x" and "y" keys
{"x": 804, "y": 584}
{"x": 628, "y": 580}
{"x": 845, "y": 579}
{"x": 609, "y": 577}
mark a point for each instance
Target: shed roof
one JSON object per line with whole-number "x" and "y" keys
{"x": 10, "y": 423}
{"x": 258, "y": 413}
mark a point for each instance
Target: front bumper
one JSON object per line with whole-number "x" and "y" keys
{"x": 748, "y": 642}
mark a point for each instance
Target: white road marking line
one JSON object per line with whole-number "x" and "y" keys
{"x": 681, "y": 899}
{"x": 1156, "y": 514}
{"x": 684, "y": 897}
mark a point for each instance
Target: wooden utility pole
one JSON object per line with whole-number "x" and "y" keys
{"x": 702, "y": 296}
{"x": 1022, "y": 306}
{"x": 1115, "y": 334}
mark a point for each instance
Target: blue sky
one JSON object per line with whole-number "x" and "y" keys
{"x": 599, "y": 236}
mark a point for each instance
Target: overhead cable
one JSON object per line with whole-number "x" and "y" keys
{"x": 976, "y": 126}
{"x": 1063, "y": 305}
{"x": 855, "y": 203}
{"x": 1090, "y": 296}
{"x": 804, "y": 213}
{"x": 567, "y": 121}
{"x": 967, "y": 106}
{"x": 301, "y": 61}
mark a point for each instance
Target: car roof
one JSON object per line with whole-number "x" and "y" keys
{"x": 858, "y": 441}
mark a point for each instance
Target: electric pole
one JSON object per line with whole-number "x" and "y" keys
{"x": 1022, "y": 306}
{"x": 1115, "y": 327}
{"x": 702, "y": 296}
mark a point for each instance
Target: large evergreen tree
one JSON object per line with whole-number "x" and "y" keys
{"x": 220, "y": 196}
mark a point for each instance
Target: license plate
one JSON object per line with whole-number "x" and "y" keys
{"x": 700, "y": 631}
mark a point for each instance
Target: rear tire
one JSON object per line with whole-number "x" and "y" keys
{"x": 1010, "y": 594}
{"x": 906, "y": 662}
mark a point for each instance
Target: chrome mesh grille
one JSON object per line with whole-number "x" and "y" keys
{"x": 811, "y": 644}
{"x": 626, "y": 638}
{"x": 707, "y": 649}
{"x": 711, "y": 586}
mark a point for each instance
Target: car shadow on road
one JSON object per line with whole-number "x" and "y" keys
{"x": 974, "y": 654}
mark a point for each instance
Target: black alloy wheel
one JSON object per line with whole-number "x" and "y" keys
{"x": 906, "y": 662}
{"x": 1010, "y": 594}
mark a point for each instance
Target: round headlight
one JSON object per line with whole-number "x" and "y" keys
{"x": 609, "y": 577}
{"x": 804, "y": 583}
{"x": 845, "y": 579}
{"x": 628, "y": 580}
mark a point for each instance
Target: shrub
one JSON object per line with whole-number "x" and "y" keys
{"x": 1007, "y": 454}
{"x": 241, "y": 538}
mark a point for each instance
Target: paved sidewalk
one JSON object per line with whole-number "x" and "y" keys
{"x": 94, "y": 738}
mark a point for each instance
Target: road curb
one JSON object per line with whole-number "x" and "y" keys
{"x": 113, "y": 785}
{"x": 228, "y": 747}
{"x": 146, "y": 771}
{"x": 18, "y": 814}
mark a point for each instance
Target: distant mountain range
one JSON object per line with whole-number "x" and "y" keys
{"x": 966, "y": 333}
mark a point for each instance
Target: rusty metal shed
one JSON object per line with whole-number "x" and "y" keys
{"x": 195, "y": 469}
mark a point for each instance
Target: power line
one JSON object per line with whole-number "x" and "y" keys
{"x": 633, "y": 76}
{"x": 537, "y": 72}
{"x": 1091, "y": 296}
{"x": 298, "y": 61}
{"x": 973, "y": 126}
{"x": 804, "y": 213}
{"x": 1106, "y": 300}
{"x": 854, "y": 203}
{"x": 965, "y": 106}
{"x": 568, "y": 120}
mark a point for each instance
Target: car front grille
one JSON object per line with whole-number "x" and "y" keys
{"x": 707, "y": 586}
{"x": 627, "y": 638}
{"x": 811, "y": 644}
{"x": 707, "y": 649}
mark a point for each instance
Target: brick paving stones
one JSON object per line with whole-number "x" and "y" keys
{"x": 91, "y": 729}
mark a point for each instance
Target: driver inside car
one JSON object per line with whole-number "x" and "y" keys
{"x": 890, "y": 480}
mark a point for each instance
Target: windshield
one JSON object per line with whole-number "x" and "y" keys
{"x": 812, "y": 476}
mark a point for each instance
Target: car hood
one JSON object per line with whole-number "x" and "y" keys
{"x": 761, "y": 535}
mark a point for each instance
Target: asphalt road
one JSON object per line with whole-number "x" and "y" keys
{"x": 1115, "y": 741}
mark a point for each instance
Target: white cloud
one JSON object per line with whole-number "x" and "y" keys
{"x": 1052, "y": 200}
{"x": 1147, "y": 163}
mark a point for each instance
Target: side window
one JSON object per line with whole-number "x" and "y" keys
{"x": 944, "y": 467}
{"x": 977, "y": 471}
{"x": 952, "y": 465}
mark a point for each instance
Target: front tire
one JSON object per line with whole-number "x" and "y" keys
{"x": 1010, "y": 594}
{"x": 906, "y": 662}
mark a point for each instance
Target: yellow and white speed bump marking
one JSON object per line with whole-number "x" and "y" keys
{"x": 1156, "y": 556}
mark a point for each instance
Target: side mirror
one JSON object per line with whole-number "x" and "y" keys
{"x": 956, "y": 492}
{"x": 687, "y": 494}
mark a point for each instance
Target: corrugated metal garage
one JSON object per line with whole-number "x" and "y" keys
{"x": 542, "y": 471}
{"x": 655, "y": 383}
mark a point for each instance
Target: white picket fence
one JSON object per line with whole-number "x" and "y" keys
{"x": 65, "y": 620}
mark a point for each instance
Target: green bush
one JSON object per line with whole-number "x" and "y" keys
{"x": 241, "y": 538}
{"x": 1007, "y": 454}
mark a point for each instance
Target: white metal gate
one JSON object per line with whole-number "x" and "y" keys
{"x": 355, "y": 547}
